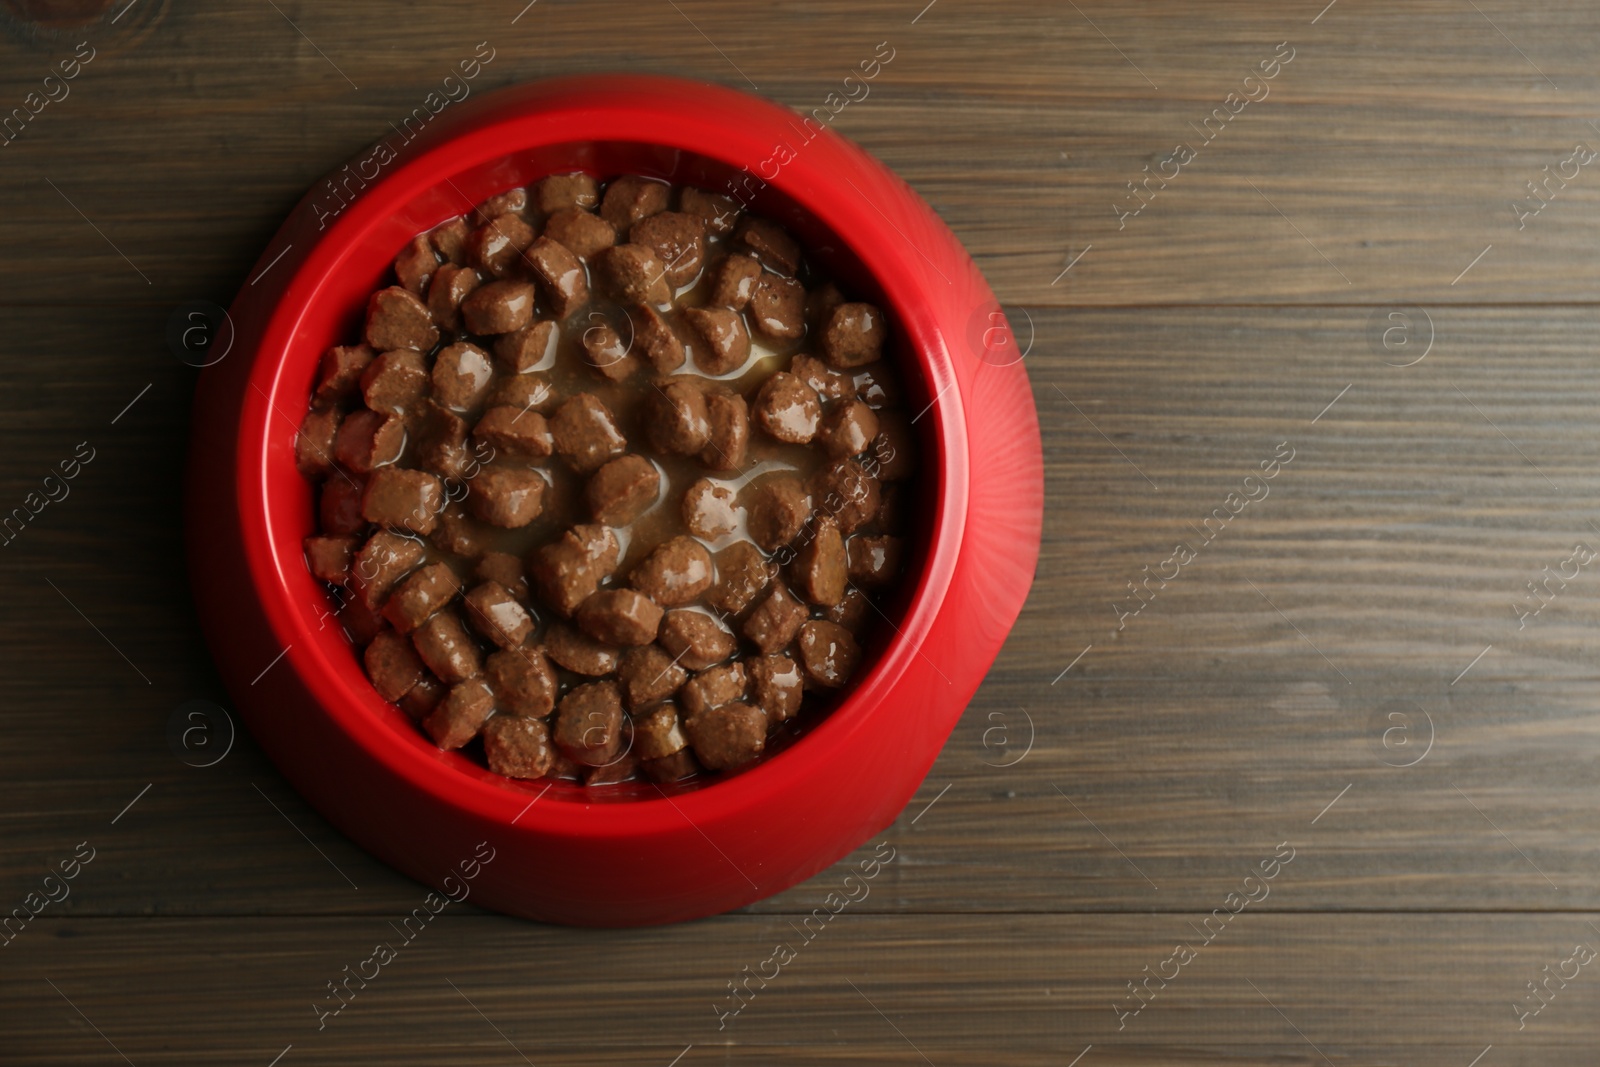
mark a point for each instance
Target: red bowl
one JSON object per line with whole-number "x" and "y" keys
{"x": 558, "y": 854}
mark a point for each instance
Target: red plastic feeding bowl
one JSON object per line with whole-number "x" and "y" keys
{"x": 642, "y": 854}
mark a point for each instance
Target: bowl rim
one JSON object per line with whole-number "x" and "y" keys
{"x": 613, "y": 109}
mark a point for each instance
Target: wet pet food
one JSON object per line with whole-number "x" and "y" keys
{"x": 610, "y": 486}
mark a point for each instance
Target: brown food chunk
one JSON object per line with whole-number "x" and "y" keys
{"x": 458, "y": 532}
{"x": 721, "y": 342}
{"x": 655, "y": 339}
{"x": 854, "y": 335}
{"x": 514, "y": 433}
{"x": 584, "y": 232}
{"x": 340, "y": 372}
{"x": 695, "y": 639}
{"x": 566, "y": 285}
{"x": 671, "y": 768}
{"x": 713, "y": 688}
{"x": 733, "y": 279}
{"x": 461, "y": 374}
{"x": 820, "y": 572}
{"x": 508, "y": 497}
{"x": 589, "y": 724}
{"x": 675, "y": 573}
{"x": 424, "y": 592}
{"x": 450, "y": 238}
{"x": 558, "y": 192}
{"x": 634, "y": 274}
{"x": 778, "y": 507}
{"x": 876, "y": 386}
{"x": 847, "y": 492}
{"x": 497, "y": 246}
{"x": 513, "y": 201}
{"x": 441, "y": 441}
{"x": 847, "y": 429}
{"x": 504, "y": 568}
{"x": 527, "y": 348}
{"x": 620, "y": 491}
{"x": 629, "y": 199}
{"x": 317, "y": 443}
{"x": 394, "y": 381}
{"x": 517, "y": 747}
{"x": 451, "y": 285}
{"x": 777, "y": 685}
{"x": 710, "y": 510}
{"x": 778, "y": 307}
{"x": 403, "y": 499}
{"x": 608, "y": 353}
{"x": 893, "y": 449}
{"x": 447, "y": 648}
{"x": 657, "y": 733}
{"x": 770, "y": 243}
{"x": 729, "y": 736}
{"x": 423, "y": 697}
{"x": 525, "y": 392}
{"x": 481, "y": 454}
{"x": 717, "y": 212}
{"x": 562, "y": 767}
{"x": 824, "y": 299}
{"x": 392, "y": 665}
{"x": 648, "y": 676}
{"x": 362, "y": 623}
{"x": 330, "y": 557}
{"x": 851, "y": 611}
{"x": 874, "y": 560}
{"x": 460, "y": 715}
{"x": 776, "y": 620}
{"x": 569, "y": 569}
{"x": 678, "y": 240}
{"x": 578, "y": 652}
{"x": 743, "y": 574}
{"x": 384, "y": 560}
{"x": 339, "y": 506}
{"x": 397, "y": 319}
{"x": 617, "y": 770}
{"x": 620, "y": 617}
{"x": 676, "y": 418}
{"x": 585, "y": 433}
{"x": 828, "y": 652}
{"x": 368, "y": 440}
{"x": 495, "y": 613}
{"x": 415, "y": 265}
{"x": 523, "y": 681}
{"x": 729, "y": 417}
{"x": 498, "y": 307}
{"x": 788, "y": 409}
{"x": 829, "y": 383}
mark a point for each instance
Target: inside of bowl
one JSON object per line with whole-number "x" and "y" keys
{"x": 336, "y": 317}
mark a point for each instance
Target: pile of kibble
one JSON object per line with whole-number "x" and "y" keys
{"x": 609, "y": 484}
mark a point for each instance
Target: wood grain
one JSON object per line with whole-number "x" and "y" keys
{"x": 1425, "y": 990}
{"x": 1377, "y": 166}
{"x": 1341, "y": 665}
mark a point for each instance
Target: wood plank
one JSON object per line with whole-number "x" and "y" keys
{"x": 1395, "y": 544}
{"x": 1374, "y": 166}
{"x": 865, "y": 989}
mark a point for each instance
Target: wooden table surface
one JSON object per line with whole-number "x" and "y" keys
{"x": 1375, "y": 267}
